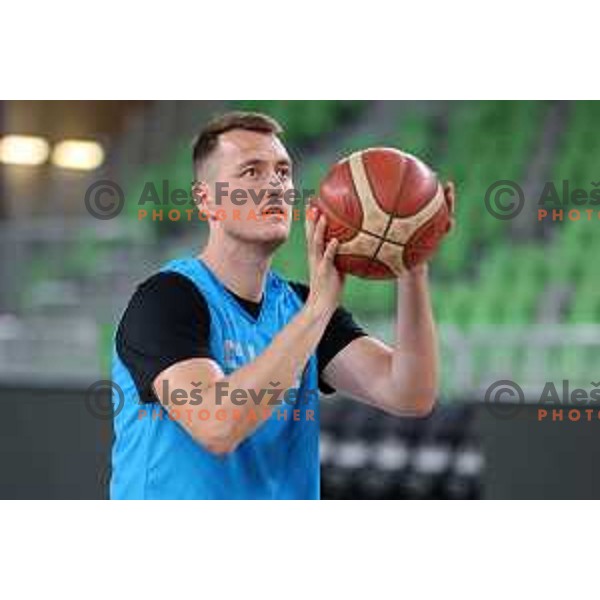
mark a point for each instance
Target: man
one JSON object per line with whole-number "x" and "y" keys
{"x": 219, "y": 358}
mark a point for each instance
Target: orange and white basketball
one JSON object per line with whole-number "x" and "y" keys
{"x": 387, "y": 209}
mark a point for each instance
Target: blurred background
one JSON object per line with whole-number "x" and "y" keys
{"x": 515, "y": 299}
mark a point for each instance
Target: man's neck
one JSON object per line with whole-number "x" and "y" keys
{"x": 241, "y": 268}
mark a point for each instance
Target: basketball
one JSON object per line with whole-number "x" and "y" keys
{"x": 386, "y": 208}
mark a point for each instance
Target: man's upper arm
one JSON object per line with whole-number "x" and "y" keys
{"x": 166, "y": 322}
{"x": 360, "y": 370}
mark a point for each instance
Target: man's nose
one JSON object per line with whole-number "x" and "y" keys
{"x": 276, "y": 186}
{"x": 275, "y": 181}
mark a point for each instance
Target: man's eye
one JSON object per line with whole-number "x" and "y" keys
{"x": 284, "y": 173}
{"x": 249, "y": 172}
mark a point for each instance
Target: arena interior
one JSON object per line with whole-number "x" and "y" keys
{"x": 515, "y": 299}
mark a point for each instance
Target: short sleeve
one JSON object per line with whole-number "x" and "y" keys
{"x": 167, "y": 321}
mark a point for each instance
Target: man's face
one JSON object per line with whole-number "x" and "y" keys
{"x": 258, "y": 165}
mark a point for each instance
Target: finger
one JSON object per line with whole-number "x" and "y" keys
{"x": 313, "y": 210}
{"x": 450, "y": 196}
{"x": 313, "y": 203}
{"x": 319, "y": 235}
{"x": 309, "y": 226}
{"x": 331, "y": 250}
{"x": 449, "y": 193}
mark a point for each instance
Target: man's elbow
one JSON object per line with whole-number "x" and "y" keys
{"x": 421, "y": 400}
{"x": 424, "y": 407}
{"x": 416, "y": 406}
{"x": 217, "y": 441}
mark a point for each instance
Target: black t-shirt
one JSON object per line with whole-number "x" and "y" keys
{"x": 168, "y": 321}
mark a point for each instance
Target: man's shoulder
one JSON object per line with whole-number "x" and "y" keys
{"x": 165, "y": 293}
{"x": 165, "y": 284}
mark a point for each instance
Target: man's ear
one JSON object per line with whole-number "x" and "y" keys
{"x": 201, "y": 196}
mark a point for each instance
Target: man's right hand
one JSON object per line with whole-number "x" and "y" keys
{"x": 326, "y": 282}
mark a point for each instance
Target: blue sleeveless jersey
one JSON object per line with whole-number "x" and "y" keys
{"x": 156, "y": 458}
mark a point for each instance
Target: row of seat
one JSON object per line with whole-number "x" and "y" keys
{"x": 576, "y": 243}
{"x": 368, "y": 455}
{"x": 481, "y": 276}
{"x": 304, "y": 121}
{"x": 485, "y": 141}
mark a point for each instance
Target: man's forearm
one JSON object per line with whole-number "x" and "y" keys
{"x": 279, "y": 368}
{"x": 415, "y": 357}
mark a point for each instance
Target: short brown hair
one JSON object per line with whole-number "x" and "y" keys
{"x": 206, "y": 141}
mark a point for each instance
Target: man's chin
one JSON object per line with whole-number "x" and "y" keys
{"x": 275, "y": 239}
{"x": 270, "y": 240}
